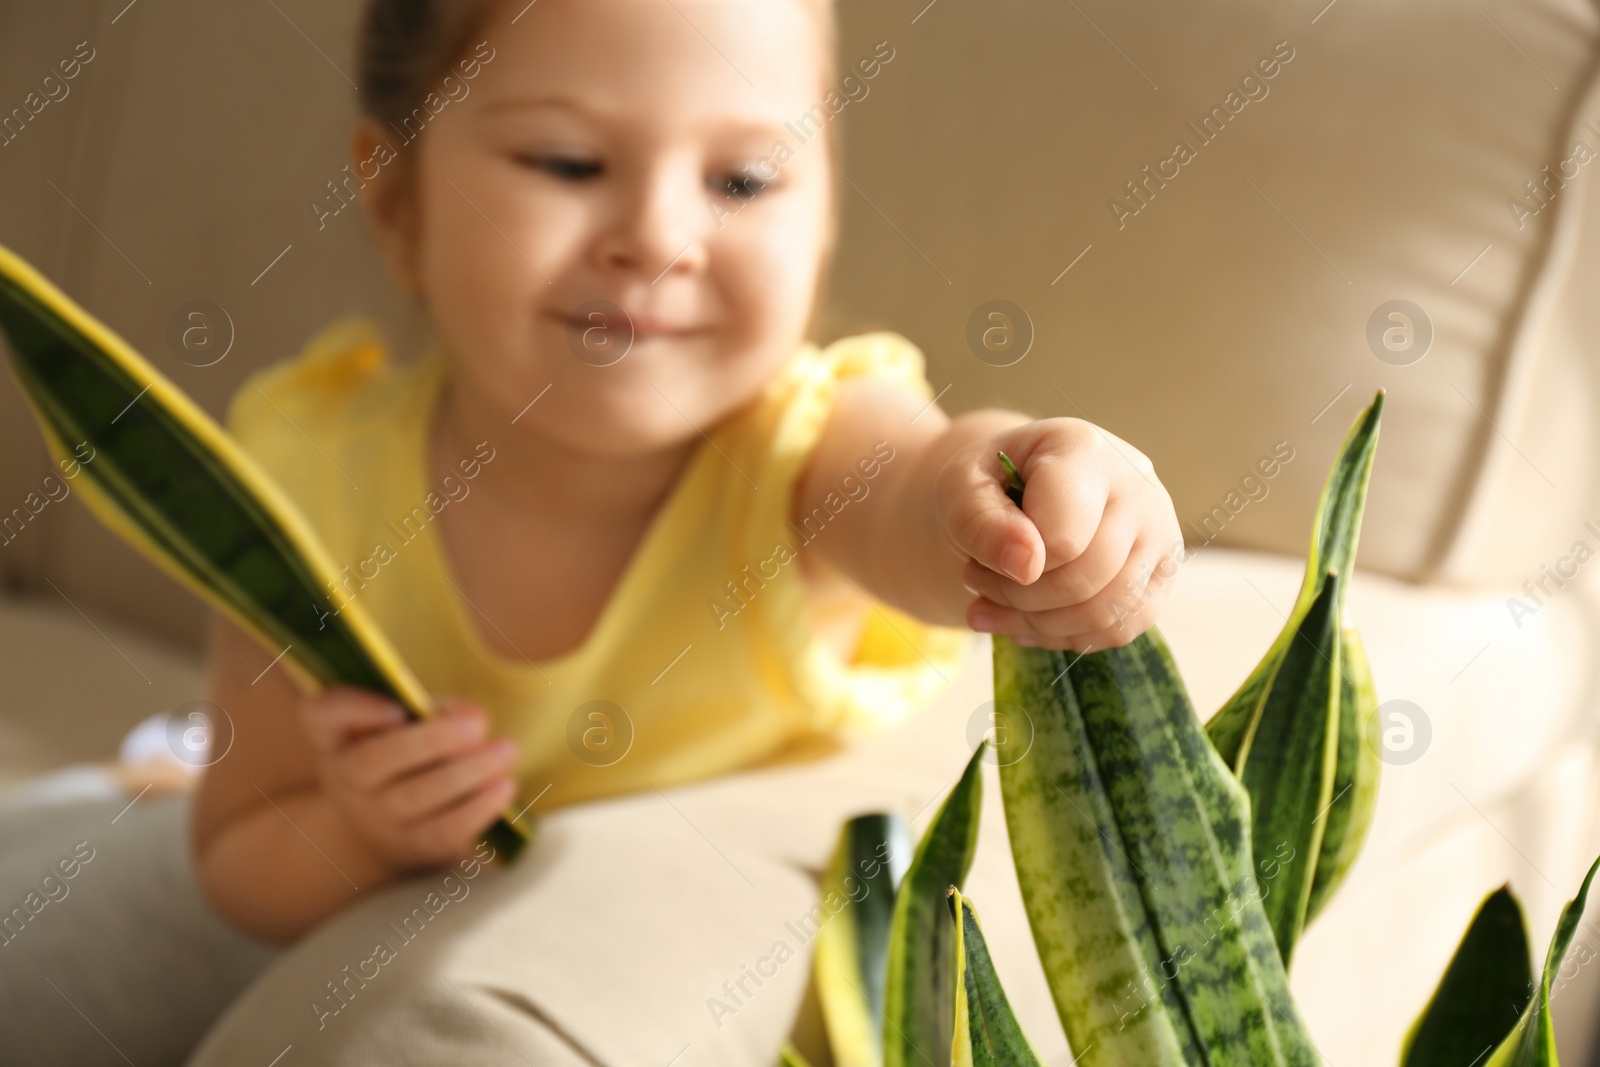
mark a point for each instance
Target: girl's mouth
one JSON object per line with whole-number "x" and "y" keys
{"x": 615, "y": 321}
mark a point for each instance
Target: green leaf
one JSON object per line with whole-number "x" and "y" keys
{"x": 1356, "y": 773}
{"x": 1334, "y": 537}
{"x": 1478, "y": 998}
{"x": 852, "y": 954}
{"x": 169, "y": 480}
{"x": 1287, "y": 765}
{"x": 1532, "y": 1043}
{"x": 1013, "y": 479}
{"x": 987, "y": 1033}
{"x": 920, "y": 997}
{"x": 1131, "y": 840}
{"x": 1344, "y": 497}
{"x": 789, "y": 1056}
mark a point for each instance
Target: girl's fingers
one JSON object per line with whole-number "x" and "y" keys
{"x": 333, "y": 718}
{"x": 1128, "y": 628}
{"x": 1116, "y": 609}
{"x": 1065, "y": 464}
{"x": 1070, "y": 583}
{"x": 449, "y": 834}
{"x": 376, "y": 760}
{"x": 980, "y": 521}
{"x": 1115, "y": 637}
{"x": 427, "y": 791}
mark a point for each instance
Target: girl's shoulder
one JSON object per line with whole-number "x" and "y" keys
{"x": 795, "y": 404}
{"x": 338, "y": 369}
{"x": 799, "y": 398}
{"x": 333, "y": 419}
{"x": 880, "y": 353}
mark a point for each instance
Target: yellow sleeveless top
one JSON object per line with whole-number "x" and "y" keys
{"x": 707, "y": 658}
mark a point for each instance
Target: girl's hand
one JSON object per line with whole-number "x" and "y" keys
{"x": 1087, "y": 562}
{"x": 419, "y": 793}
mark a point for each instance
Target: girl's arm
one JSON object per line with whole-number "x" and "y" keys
{"x": 318, "y": 800}
{"x": 274, "y": 855}
{"x": 1087, "y": 562}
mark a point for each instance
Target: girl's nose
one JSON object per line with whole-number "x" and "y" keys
{"x": 658, "y": 226}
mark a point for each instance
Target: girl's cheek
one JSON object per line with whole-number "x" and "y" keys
{"x": 777, "y": 261}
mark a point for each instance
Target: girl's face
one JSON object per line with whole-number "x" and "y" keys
{"x": 610, "y": 156}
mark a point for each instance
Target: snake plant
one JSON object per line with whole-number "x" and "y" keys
{"x": 986, "y": 1032}
{"x": 1461, "y": 1024}
{"x": 1279, "y": 705}
{"x": 1167, "y": 870}
{"x": 170, "y": 481}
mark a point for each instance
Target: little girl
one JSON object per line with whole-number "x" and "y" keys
{"x": 631, "y": 526}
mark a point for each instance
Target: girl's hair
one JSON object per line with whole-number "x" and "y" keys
{"x": 407, "y": 46}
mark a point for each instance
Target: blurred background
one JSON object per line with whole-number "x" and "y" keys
{"x": 1215, "y": 229}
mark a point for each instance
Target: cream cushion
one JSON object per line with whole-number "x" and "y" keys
{"x": 1231, "y": 312}
{"x": 71, "y": 688}
{"x": 624, "y": 919}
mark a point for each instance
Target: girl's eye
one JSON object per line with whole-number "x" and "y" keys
{"x": 740, "y": 186}
{"x": 567, "y": 168}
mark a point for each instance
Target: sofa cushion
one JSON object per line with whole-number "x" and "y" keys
{"x": 108, "y": 954}
{"x": 1342, "y": 156}
{"x": 70, "y": 688}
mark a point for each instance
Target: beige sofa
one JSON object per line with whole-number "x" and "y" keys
{"x": 1205, "y": 314}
